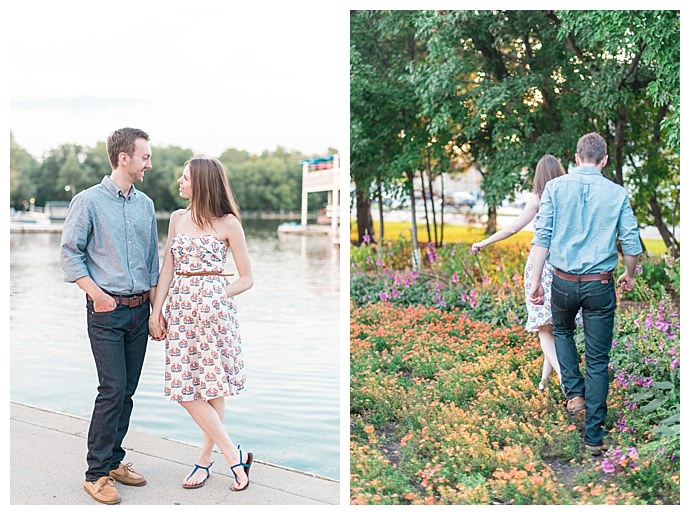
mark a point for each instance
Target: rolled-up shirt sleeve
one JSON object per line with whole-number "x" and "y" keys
{"x": 75, "y": 234}
{"x": 543, "y": 223}
{"x": 153, "y": 249}
{"x": 628, "y": 230}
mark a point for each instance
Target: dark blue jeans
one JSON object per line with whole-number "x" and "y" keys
{"x": 598, "y": 303}
{"x": 118, "y": 343}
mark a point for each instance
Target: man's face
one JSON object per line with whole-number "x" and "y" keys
{"x": 139, "y": 161}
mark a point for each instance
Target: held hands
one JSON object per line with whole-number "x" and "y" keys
{"x": 157, "y": 327}
{"x": 626, "y": 281}
{"x": 536, "y": 293}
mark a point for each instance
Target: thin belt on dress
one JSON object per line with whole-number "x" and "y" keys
{"x": 189, "y": 274}
{"x": 604, "y": 277}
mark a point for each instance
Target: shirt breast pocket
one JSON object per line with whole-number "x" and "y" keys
{"x": 142, "y": 233}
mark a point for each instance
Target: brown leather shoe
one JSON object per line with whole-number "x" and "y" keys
{"x": 595, "y": 450}
{"x": 125, "y": 474}
{"x": 575, "y": 405}
{"x": 103, "y": 490}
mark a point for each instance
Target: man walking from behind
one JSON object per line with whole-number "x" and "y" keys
{"x": 110, "y": 249}
{"x": 580, "y": 216}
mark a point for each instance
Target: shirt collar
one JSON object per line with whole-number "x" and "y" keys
{"x": 115, "y": 190}
{"x": 586, "y": 170}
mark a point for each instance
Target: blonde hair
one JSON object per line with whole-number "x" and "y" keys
{"x": 548, "y": 168}
{"x": 211, "y": 194}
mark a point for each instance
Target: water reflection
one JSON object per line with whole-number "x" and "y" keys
{"x": 289, "y": 324}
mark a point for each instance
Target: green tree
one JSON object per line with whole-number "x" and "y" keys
{"x": 22, "y": 172}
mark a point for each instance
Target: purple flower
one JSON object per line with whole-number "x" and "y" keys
{"x": 454, "y": 277}
{"x": 638, "y": 269}
{"x": 608, "y": 466}
{"x": 431, "y": 252}
{"x": 473, "y": 250}
{"x": 674, "y": 363}
{"x": 366, "y": 238}
{"x": 622, "y": 425}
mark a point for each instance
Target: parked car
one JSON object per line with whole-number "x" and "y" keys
{"x": 462, "y": 199}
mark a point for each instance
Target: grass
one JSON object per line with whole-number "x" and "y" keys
{"x": 467, "y": 234}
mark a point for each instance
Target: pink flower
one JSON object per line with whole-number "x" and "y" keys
{"x": 455, "y": 278}
{"x": 608, "y": 466}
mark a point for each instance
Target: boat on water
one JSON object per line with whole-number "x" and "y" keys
{"x": 34, "y": 221}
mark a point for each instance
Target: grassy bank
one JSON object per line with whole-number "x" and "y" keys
{"x": 465, "y": 234}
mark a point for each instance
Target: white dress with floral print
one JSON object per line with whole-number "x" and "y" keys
{"x": 538, "y": 315}
{"x": 203, "y": 348}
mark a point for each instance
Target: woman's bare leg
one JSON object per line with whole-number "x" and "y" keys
{"x": 204, "y": 458}
{"x": 207, "y": 418}
{"x": 549, "y": 349}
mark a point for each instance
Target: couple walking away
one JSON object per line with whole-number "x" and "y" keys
{"x": 569, "y": 274}
{"x": 109, "y": 248}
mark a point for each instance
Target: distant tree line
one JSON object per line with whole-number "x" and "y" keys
{"x": 435, "y": 91}
{"x": 270, "y": 181}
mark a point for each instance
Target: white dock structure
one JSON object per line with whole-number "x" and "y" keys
{"x": 319, "y": 174}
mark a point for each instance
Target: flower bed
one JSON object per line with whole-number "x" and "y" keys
{"x": 444, "y": 401}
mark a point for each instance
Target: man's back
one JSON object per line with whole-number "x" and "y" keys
{"x": 580, "y": 216}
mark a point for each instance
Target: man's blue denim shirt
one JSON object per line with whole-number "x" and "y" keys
{"x": 580, "y": 216}
{"x": 111, "y": 237}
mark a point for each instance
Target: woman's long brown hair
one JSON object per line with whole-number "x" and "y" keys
{"x": 548, "y": 168}
{"x": 211, "y": 194}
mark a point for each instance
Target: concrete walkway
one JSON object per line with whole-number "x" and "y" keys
{"x": 48, "y": 459}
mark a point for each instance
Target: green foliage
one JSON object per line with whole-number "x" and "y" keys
{"x": 22, "y": 170}
{"x": 271, "y": 181}
{"x": 499, "y": 89}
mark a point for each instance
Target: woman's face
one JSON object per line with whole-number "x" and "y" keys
{"x": 185, "y": 184}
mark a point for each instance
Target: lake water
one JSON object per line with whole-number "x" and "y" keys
{"x": 289, "y": 414}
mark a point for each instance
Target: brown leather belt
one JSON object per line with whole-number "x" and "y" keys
{"x": 604, "y": 277}
{"x": 131, "y": 301}
{"x": 189, "y": 274}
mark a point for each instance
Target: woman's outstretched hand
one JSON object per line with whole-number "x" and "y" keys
{"x": 477, "y": 247}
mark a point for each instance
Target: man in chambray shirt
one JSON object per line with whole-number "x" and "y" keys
{"x": 580, "y": 217}
{"x": 109, "y": 249}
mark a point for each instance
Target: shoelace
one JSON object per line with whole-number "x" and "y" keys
{"x": 128, "y": 467}
{"x": 109, "y": 481}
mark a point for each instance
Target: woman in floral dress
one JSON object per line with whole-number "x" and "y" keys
{"x": 203, "y": 360}
{"x": 539, "y": 316}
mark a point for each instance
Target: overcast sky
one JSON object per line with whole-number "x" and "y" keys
{"x": 201, "y": 74}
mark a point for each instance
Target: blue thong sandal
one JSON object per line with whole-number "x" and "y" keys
{"x": 247, "y": 465}
{"x": 197, "y": 467}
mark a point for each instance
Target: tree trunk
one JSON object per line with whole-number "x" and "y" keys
{"x": 380, "y": 198}
{"x": 443, "y": 205}
{"x": 670, "y": 241}
{"x": 619, "y": 142}
{"x": 426, "y": 211}
{"x": 415, "y": 240}
{"x": 491, "y": 222}
{"x": 431, "y": 196}
{"x": 365, "y": 224}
